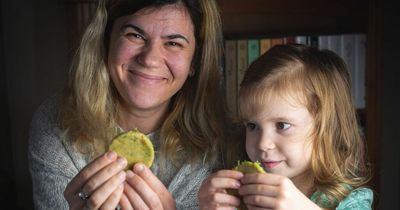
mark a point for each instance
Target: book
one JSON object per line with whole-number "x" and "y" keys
{"x": 335, "y": 44}
{"x": 360, "y": 69}
{"x": 276, "y": 41}
{"x": 348, "y": 55}
{"x": 231, "y": 75}
{"x": 312, "y": 41}
{"x": 265, "y": 44}
{"x": 301, "y": 40}
{"x": 323, "y": 42}
{"x": 289, "y": 40}
{"x": 253, "y": 50}
{"x": 241, "y": 60}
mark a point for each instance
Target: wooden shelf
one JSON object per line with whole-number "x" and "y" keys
{"x": 260, "y": 18}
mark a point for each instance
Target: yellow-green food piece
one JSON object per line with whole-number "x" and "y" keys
{"x": 246, "y": 167}
{"x": 135, "y": 147}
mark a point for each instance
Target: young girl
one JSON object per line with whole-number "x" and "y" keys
{"x": 301, "y": 126}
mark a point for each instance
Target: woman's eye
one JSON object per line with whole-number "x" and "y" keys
{"x": 250, "y": 126}
{"x": 135, "y": 35}
{"x": 174, "y": 44}
{"x": 282, "y": 125}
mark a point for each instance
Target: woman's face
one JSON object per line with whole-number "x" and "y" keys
{"x": 150, "y": 56}
{"x": 280, "y": 137}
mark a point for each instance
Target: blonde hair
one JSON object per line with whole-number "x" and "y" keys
{"x": 321, "y": 81}
{"x": 196, "y": 121}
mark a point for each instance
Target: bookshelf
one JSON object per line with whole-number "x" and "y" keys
{"x": 268, "y": 18}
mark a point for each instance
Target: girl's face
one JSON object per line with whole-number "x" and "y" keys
{"x": 150, "y": 56}
{"x": 280, "y": 137}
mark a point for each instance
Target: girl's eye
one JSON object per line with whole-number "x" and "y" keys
{"x": 282, "y": 125}
{"x": 250, "y": 126}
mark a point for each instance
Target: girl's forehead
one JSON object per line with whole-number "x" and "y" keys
{"x": 253, "y": 102}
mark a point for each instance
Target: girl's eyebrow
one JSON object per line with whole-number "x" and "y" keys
{"x": 141, "y": 31}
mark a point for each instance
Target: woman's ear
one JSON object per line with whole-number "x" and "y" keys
{"x": 192, "y": 71}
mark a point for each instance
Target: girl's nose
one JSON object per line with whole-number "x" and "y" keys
{"x": 266, "y": 142}
{"x": 150, "y": 56}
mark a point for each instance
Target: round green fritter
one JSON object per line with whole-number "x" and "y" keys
{"x": 135, "y": 147}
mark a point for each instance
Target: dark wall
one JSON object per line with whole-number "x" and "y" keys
{"x": 390, "y": 173}
{"x": 34, "y": 61}
{"x": 6, "y": 169}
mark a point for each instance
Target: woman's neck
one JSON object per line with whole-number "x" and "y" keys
{"x": 146, "y": 121}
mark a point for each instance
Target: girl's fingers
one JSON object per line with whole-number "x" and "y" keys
{"x": 144, "y": 190}
{"x": 258, "y": 178}
{"x": 224, "y": 199}
{"x": 223, "y": 179}
{"x": 113, "y": 200}
{"x": 259, "y": 189}
{"x": 101, "y": 194}
{"x": 255, "y": 200}
{"x": 224, "y": 183}
{"x": 228, "y": 174}
{"x": 134, "y": 198}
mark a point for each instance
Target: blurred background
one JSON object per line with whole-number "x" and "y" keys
{"x": 38, "y": 39}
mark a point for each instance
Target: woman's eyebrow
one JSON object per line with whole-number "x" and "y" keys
{"x": 137, "y": 28}
{"x": 141, "y": 31}
{"x": 177, "y": 36}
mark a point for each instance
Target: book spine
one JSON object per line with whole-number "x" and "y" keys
{"x": 231, "y": 75}
{"x": 265, "y": 44}
{"x": 241, "y": 60}
{"x": 253, "y": 50}
{"x": 360, "y": 69}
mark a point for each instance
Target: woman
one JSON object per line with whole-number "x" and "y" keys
{"x": 151, "y": 65}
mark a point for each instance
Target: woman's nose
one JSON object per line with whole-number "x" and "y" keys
{"x": 150, "y": 56}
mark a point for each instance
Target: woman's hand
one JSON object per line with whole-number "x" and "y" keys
{"x": 101, "y": 180}
{"x": 143, "y": 190}
{"x": 213, "y": 191}
{"x": 271, "y": 191}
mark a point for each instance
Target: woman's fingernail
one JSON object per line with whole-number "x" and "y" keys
{"x": 129, "y": 174}
{"x": 139, "y": 167}
{"x": 122, "y": 161}
{"x": 122, "y": 175}
{"x": 111, "y": 155}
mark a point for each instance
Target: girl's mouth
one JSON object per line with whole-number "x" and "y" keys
{"x": 271, "y": 164}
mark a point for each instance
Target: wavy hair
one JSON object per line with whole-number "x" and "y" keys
{"x": 321, "y": 81}
{"x": 196, "y": 122}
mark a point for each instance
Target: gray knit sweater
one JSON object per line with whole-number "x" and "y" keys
{"x": 53, "y": 162}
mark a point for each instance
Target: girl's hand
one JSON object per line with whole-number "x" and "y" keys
{"x": 101, "y": 180}
{"x": 213, "y": 191}
{"x": 271, "y": 191}
{"x": 143, "y": 190}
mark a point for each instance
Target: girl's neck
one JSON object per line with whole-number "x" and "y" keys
{"x": 305, "y": 183}
{"x": 146, "y": 121}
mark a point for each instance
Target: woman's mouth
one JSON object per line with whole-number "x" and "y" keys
{"x": 146, "y": 77}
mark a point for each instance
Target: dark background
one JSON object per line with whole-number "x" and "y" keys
{"x": 35, "y": 51}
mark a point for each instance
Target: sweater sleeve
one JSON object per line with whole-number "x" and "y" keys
{"x": 50, "y": 163}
